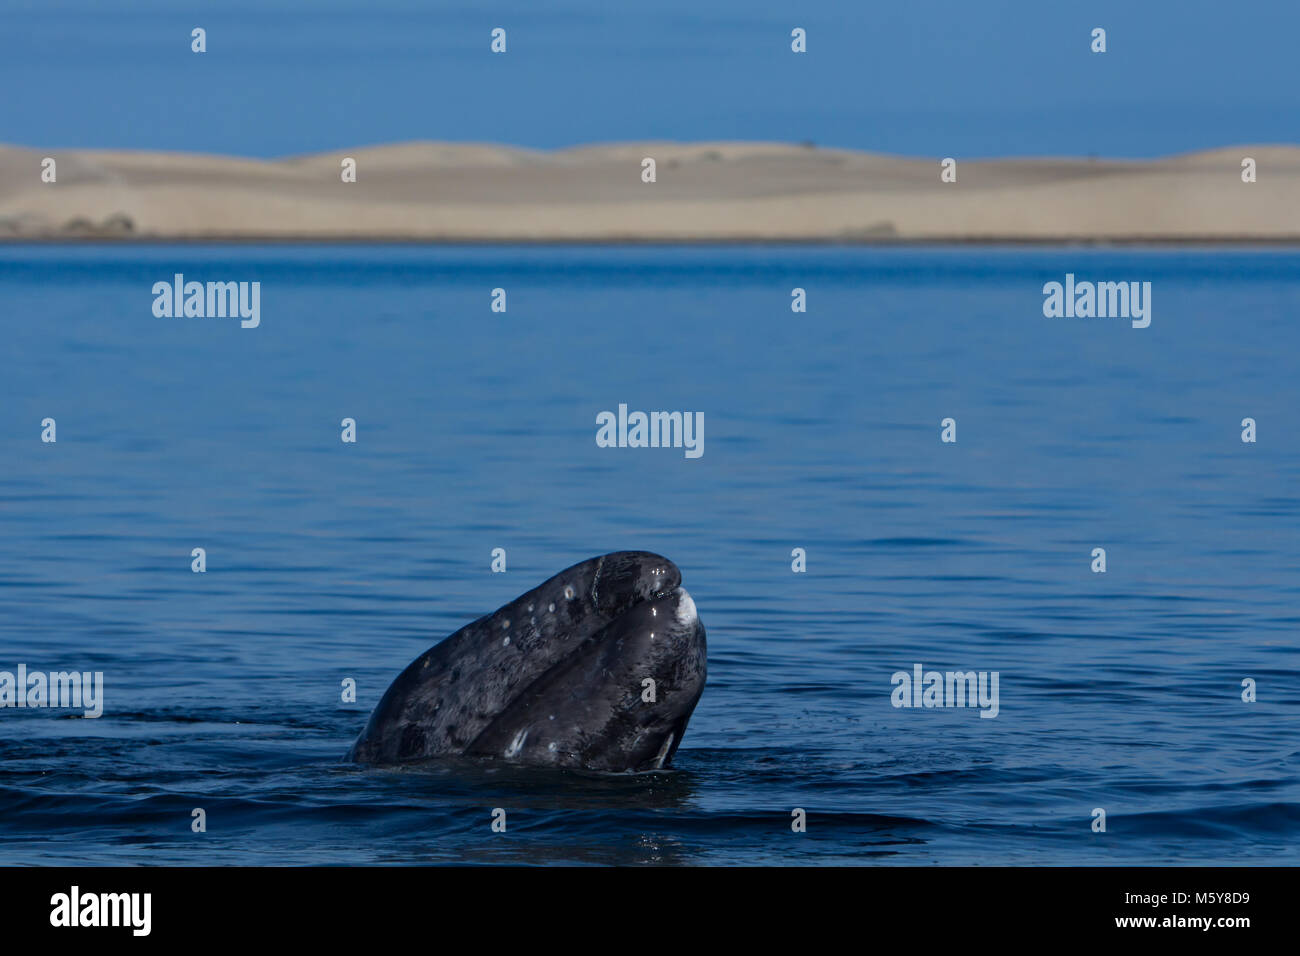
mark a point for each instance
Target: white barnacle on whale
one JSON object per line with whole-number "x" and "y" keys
{"x": 663, "y": 752}
{"x": 595, "y": 582}
{"x": 686, "y": 613}
{"x": 517, "y": 744}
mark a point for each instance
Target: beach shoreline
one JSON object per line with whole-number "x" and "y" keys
{"x": 648, "y": 193}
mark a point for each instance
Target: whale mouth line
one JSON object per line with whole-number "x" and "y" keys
{"x": 654, "y": 598}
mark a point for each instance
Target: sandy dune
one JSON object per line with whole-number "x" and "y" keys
{"x": 704, "y": 191}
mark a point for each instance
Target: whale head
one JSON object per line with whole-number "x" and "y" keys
{"x": 598, "y": 668}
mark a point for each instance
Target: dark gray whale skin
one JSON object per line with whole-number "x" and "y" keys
{"x": 556, "y": 676}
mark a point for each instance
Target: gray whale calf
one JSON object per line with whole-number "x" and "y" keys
{"x": 599, "y": 668}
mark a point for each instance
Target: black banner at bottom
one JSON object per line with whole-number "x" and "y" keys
{"x": 959, "y": 906}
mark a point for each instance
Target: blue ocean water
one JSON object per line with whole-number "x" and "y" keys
{"x": 476, "y": 430}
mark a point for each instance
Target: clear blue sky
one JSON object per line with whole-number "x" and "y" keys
{"x": 922, "y": 77}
